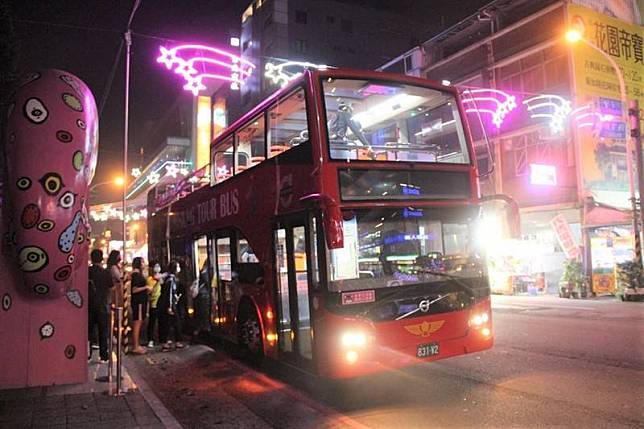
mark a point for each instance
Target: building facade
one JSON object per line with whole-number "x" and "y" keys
{"x": 334, "y": 33}
{"x": 557, "y": 130}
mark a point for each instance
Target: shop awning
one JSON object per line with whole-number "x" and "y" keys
{"x": 604, "y": 215}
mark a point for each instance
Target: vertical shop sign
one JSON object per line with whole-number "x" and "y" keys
{"x": 603, "y": 154}
{"x": 565, "y": 237}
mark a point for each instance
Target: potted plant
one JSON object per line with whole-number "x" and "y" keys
{"x": 572, "y": 278}
{"x": 630, "y": 280}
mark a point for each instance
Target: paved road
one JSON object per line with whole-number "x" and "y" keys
{"x": 556, "y": 362}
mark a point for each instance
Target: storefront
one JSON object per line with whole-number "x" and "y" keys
{"x": 534, "y": 263}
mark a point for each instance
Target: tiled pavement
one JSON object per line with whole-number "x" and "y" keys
{"x": 33, "y": 408}
{"x": 86, "y": 405}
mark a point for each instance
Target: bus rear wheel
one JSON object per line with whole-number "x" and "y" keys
{"x": 250, "y": 337}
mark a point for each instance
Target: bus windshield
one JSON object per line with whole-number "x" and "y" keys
{"x": 383, "y": 121}
{"x": 389, "y": 248}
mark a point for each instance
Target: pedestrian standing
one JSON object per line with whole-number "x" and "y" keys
{"x": 154, "y": 281}
{"x": 169, "y": 326}
{"x": 140, "y": 291}
{"x": 202, "y": 301}
{"x": 99, "y": 289}
{"x": 114, "y": 268}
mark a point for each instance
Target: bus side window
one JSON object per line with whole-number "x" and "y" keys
{"x": 245, "y": 252}
{"x": 222, "y": 160}
{"x": 224, "y": 268}
{"x": 250, "y": 144}
{"x": 288, "y": 125}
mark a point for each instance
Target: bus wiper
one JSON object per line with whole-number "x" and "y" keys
{"x": 452, "y": 277}
{"x": 424, "y": 306}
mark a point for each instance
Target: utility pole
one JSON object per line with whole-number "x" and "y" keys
{"x": 636, "y": 135}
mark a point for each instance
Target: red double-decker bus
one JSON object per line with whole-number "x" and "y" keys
{"x": 338, "y": 227}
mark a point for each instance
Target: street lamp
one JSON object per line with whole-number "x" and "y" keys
{"x": 574, "y": 36}
{"x": 118, "y": 181}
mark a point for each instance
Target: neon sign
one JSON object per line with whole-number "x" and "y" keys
{"x": 493, "y": 101}
{"x": 543, "y": 174}
{"x": 279, "y": 74}
{"x": 549, "y": 106}
{"x": 196, "y": 63}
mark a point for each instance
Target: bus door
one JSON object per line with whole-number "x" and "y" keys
{"x": 292, "y": 272}
{"x": 222, "y": 249}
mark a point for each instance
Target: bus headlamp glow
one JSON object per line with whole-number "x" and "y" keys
{"x": 354, "y": 339}
{"x": 271, "y": 337}
{"x": 486, "y": 332}
{"x": 479, "y": 319}
{"x": 351, "y": 356}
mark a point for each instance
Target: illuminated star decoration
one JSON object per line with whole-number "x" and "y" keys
{"x": 136, "y": 172}
{"x": 153, "y": 177}
{"x": 586, "y": 118}
{"x": 553, "y": 107}
{"x": 196, "y": 63}
{"x": 282, "y": 74}
{"x": 493, "y": 101}
{"x": 222, "y": 172}
{"x": 171, "y": 170}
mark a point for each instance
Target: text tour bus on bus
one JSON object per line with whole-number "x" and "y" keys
{"x": 337, "y": 232}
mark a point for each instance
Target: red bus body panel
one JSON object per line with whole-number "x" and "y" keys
{"x": 250, "y": 201}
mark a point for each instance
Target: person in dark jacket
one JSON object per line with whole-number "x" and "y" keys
{"x": 167, "y": 307}
{"x": 98, "y": 297}
{"x": 140, "y": 291}
{"x": 202, "y": 301}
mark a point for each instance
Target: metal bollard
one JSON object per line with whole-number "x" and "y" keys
{"x": 110, "y": 362}
{"x": 119, "y": 350}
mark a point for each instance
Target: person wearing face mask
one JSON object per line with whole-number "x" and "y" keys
{"x": 140, "y": 291}
{"x": 154, "y": 281}
{"x": 167, "y": 306}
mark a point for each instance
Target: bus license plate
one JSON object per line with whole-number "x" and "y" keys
{"x": 426, "y": 350}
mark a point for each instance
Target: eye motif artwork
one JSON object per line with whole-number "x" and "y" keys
{"x": 51, "y": 159}
{"x": 47, "y": 331}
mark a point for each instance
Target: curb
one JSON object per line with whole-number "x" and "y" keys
{"x": 167, "y": 419}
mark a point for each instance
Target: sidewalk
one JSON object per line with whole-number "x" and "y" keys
{"x": 86, "y": 405}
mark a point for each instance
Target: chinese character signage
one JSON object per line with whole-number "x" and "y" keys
{"x": 603, "y": 142}
{"x": 565, "y": 237}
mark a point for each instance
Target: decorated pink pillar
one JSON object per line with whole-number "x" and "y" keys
{"x": 51, "y": 143}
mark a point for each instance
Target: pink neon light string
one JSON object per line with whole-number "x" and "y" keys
{"x": 550, "y": 106}
{"x": 179, "y": 58}
{"x": 495, "y": 102}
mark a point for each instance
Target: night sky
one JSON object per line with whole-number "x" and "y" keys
{"x": 83, "y": 37}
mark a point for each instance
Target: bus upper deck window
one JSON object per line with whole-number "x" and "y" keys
{"x": 288, "y": 124}
{"x": 251, "y": 149}
{"x": 222, "y": 161}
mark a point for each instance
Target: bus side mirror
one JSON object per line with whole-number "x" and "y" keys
{"x": 332, "y": 219}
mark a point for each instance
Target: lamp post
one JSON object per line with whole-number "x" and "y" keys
{"x": 117, "y": 181}
{"x": 574, "y": 36}
{"x": 128, "y": 51}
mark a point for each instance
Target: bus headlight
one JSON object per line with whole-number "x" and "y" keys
{"x": 351, "y": 356}
{"x": 354, "y": 339}
{"x": 479, "y": 319}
